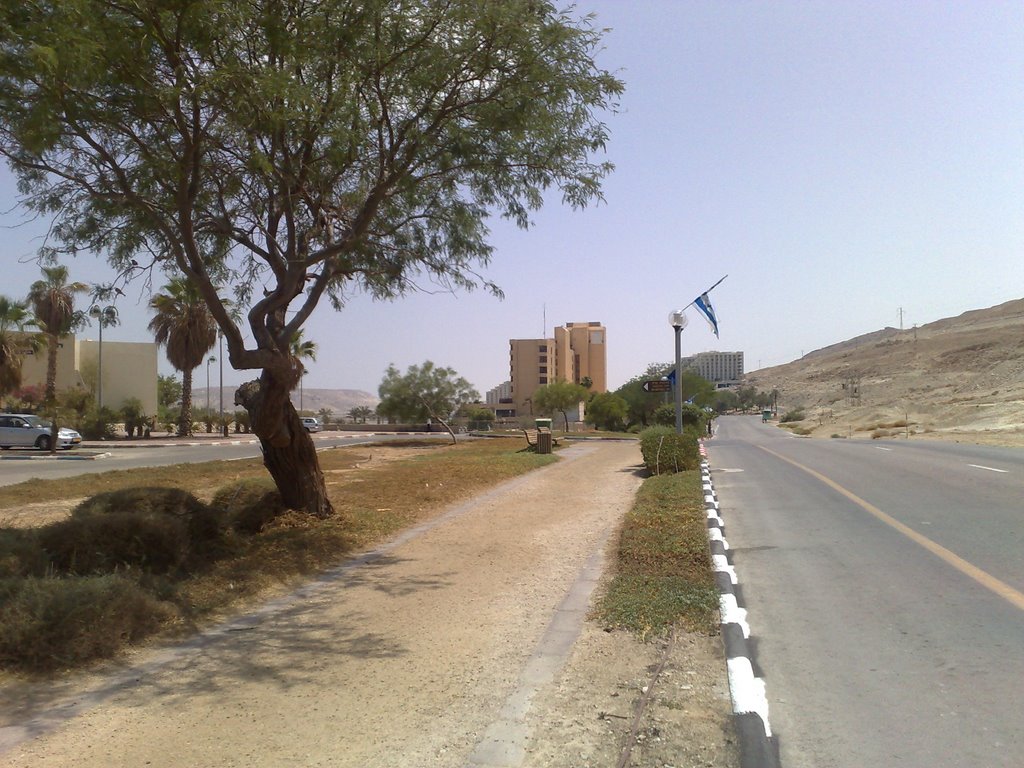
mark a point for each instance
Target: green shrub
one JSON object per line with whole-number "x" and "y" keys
{"x": 794, "y": 415}
{"x": 47, "y": 623}
{"x": 664, "y": 451}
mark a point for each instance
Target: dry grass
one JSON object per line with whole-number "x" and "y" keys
{"x": 377, "y": 490}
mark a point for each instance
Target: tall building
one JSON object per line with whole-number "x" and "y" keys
{"x": 576, "y": 351}
{"x": 717, "y": 367}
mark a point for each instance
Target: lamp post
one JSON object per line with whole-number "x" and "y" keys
{"x": 106, "y": 316}
{"x": 220, "y": 388}
{"x": 677, "y": 319}
{"x": 211, "y": 359}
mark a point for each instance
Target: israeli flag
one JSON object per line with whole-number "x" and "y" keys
{"x": 704, "y": 305}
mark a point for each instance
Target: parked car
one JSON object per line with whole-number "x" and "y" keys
{"x": 311, "y": 424}
{"x": 24, "y": 430}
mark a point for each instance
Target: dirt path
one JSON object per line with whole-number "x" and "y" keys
{"x": 458, "y": 644}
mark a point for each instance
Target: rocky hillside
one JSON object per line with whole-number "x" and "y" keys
{"x": 957, "y": 377}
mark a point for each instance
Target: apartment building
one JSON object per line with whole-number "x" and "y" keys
{"x": 576, "y": 351}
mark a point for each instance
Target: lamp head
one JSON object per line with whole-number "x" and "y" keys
{"x": 677, "y": 319}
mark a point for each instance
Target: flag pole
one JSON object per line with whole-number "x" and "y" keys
{"x": 709, "y": 290}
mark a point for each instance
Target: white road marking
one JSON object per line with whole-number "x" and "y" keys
{"x": 990, "y": 469}
{"x": 882, "y": 449}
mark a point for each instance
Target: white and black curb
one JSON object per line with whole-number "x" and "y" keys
{"x": 758, "y": 748}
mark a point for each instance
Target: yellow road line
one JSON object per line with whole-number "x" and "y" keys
{"x": 987, "y": 580}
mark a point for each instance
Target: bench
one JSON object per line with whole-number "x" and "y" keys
{"x": 531, "y": 437}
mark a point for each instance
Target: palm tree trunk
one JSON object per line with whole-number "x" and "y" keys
{"x": 185, "y": 418}
{"x": 52, "y": 343}
{"x": 288, "y": 451}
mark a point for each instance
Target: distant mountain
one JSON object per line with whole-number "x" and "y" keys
{"x": 340, "y": 401}
{"x": 956, "y": 375}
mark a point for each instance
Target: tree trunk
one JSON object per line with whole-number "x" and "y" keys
{"x": 52, "y": 343}
{"x": 185, "y": 418}
{"x": 288, "y": 451}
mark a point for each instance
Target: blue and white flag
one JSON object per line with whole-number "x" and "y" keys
{"x": 704, "y": 305}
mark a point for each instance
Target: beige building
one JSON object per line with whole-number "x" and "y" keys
{"x": 576, "y": 351}
{"x": 129, "y": 370}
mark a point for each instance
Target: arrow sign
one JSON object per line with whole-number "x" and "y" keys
{"x": 657, "y": 385}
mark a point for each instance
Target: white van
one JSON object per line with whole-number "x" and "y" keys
{"x": 311, "y": 424}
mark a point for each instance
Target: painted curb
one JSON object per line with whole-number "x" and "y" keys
{"x": 758, "y": 747}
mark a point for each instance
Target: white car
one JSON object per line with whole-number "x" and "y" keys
{"x": 311, "y": 424}
{"x": 24, "y": 430}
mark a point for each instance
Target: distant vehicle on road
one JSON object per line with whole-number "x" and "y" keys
{"x": 23, "y": 430}
{"x": 311, "y": 424}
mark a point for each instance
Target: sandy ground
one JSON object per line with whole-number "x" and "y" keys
{"x": 461, "y": 643}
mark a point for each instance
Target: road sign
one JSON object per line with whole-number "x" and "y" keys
{"x": 658, "y": 385}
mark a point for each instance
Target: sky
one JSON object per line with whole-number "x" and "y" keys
{"x": 839, "y": 161}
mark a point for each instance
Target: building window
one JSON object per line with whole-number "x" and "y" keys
{"x": 543, "y": 379}
{"x": 543, "y": 369}
{"x": 542, "y": 348}
{"x": 543, "y": 359}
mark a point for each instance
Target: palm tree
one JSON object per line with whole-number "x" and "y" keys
{"x": 14, "y": 342}
{"x": 302, "y": 349}
{"x": 184, "y": 325}
{"x": 53, "y": 301}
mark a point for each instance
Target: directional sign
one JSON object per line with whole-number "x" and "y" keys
{"x": 658, "y": 385}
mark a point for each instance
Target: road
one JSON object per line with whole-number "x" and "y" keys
{"x": 17, "y": 466}
{"x": 885, "y": 589}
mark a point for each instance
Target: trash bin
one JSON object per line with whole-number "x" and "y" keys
{"x": 766, "y": 416}
{"x": 544, "y": 441}
{"x": 542, "y": 423}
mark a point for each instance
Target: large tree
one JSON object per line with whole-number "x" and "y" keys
{"x": 183, "y": 324}
{"x": 424, "y": 392}
{"x": 292, "y": 151}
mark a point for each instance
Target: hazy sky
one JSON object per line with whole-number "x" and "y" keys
{"x": 837, "y": 160}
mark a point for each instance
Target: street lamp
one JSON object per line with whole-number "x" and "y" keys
{"x": 106, "y": 316}
{"x": 677, "y": 319}
{"x": 220, "y": 389}
{"x": 212, "y": 359}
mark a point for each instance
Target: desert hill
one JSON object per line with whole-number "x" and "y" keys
{"x": 954, "y": 378}
{"x": 339, "y": 401}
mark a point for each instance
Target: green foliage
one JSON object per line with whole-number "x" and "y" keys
{"x": 693, "y": 417}
{"x": 665, "y": 452}
{"x": 796, "y": 414}
{"x": 168, "y": 390}
{"x": 560, "y": 396}
{"x": 725, "y": 400}
{"x": 424, "y": 392}
{"x": 134, "y": 415}
{"x": 360, "y": 414}
{"x": 479, "y": 418}
{"x": 607, "y": 411}
{"x": 663, "y": 576}
{"x": 643, "y": 405}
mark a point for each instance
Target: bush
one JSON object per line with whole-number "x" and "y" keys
{"x": 794, "y": 415}
{"x": 248, "y": 505}
{"x": 664, "y": 451}
{"x": 155, "y": 530}
{"x": 47, "y": 623}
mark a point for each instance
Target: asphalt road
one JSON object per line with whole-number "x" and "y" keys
{"x": 885, "y": 587}
{"x": 19, "y": 465}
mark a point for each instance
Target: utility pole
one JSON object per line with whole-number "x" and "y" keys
{"x": 901, "y": 318}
